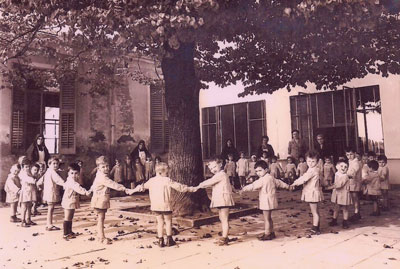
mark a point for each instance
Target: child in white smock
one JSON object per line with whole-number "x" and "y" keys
{"x": 27, "y": 194}
{"x": 267, "y": 196}
{"x": 242, "y": 169}
{"x": 12, "y": 188}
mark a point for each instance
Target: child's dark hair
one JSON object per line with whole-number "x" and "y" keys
{"x": 382, "y": 158}
{"x": 261, "y": 164}
{"x": 36, "y": 165}
{"x": 349, "y": 149}
{"x": 312, "y": 154}
{"x": 275, "y": 157}
{"x": 290, "y": 158}
{"x": 74, "y": 167}
{"x": 53, "y": 159}
{"x": 230, "y": 155}
{"x": 241, "y": 152}
{"x": 374, "y": 165}
{"x": 157, "y": 158}
{"x": 342, "y": 160}
{"x": 301, "y": 156}
{"x": 371, "y": 154}
{"x": 26, "y": 162}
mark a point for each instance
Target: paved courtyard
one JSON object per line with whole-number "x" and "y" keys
{"x": 371, "y": 243}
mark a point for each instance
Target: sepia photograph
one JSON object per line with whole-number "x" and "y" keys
{"x": 232, "y": 134}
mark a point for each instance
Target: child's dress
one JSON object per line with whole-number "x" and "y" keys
{"x": 50, "y": 180}
{"x": 230, "y": 168}
{"x": 128, "y": 173}
{"x": 302, "y": 168}
{"x": 28, "y": 193}
{"x": 221, "y": 190}
{"x": 384, "y": 175}
{"x": 341, "y": 192}
{"x": 275, "y": 170}
{"x": 329, "y": 173}
{"x": 242, "y": 168}
{"x": 117, "y": 174}
{"x": 12, "y": 187}
{"x": 290, "y": 170}
{"x": 72, "y": 189}
{"x": 252, "y": 172}
{"x": 160, "y": 192}
{"x": 373, "y": 183}
{"x": 101, "y": 190}
{"x": 267, "y": 195}
{"x": 312, "y": 192}
{"x": 354, "y": 173}
{"x": 139, "y": 175}
{"x": 148, "y": 169}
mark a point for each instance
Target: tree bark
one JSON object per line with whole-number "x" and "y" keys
{"x": 182, "y": 103}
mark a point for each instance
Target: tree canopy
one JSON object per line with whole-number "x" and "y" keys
{"x": 268, "y": 44}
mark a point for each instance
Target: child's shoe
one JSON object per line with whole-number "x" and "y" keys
{"x": 223, "y": 241}
{"x": 266, "y": 237}
{"x": 24, "y": 224}
{"x": 160, "y": 242}
{"x": 14, "y": 219}
{"x": 333, "y": 222}
{"x": 31, "y": 223}
{"x": 315, "y": 230}
{"x": 170, "y": 241}
{"x": 345, "y": 224}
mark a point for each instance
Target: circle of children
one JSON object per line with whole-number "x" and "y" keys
{"x": 352, "y": 176}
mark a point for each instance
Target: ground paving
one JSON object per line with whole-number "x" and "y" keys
{"x": 371, "y": 243}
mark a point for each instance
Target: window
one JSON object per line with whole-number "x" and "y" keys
{"x": 159, "y": 121}
{"x": 348, "y": 117}
{"x": 244, "y": 123}
{"x": 42, "y": 109}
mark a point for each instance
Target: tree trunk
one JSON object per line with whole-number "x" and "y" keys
{"x": 182, "y": 103}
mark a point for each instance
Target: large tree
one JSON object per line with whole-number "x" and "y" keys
{"x": 267, "y": 45}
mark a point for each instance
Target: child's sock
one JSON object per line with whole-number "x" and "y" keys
{"x": 65, "y": 227}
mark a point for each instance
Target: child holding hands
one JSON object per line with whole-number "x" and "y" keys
{"x": 267, "y": 196}
{"x": 28, "y": 193}
{"x": 101, "y": 195}
{"x": 312, "y": 192}
{"x": 160, "y": 198}
{"x": 13, "y": 188}
{"x": 70, "y": 200}
{"x": 221, "y": 197}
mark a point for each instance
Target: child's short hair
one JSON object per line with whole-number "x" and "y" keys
{"x": 26, "y": 162}
{"x": 374, "y": 165}
{"x": 312, "y": 154}
{"x": 275, "y": 158}
{"x": 301, "y": 156}
{"x": 230, "y": 155}
{"x": 157, "y": 158}
{"x": 241, "y": 152}
{"x": 262, "y": 164}
{"x": 382, "y": 158}
{"x": 349, "y": 149}
{"x": 371, "y": 154}
{"x": 51, "y": 159}
{"x": 161, "y": 167}
{"x": 101, "y": 160}
{"x": 289, "y": 158}
{"x": 342, "y": 160}
{"x": 253, "y": 155}
{"x": 327, "y": 158}
{"x": 74, "y": 167}
{"x": 15, "y": 167}
{"x": 36, "y": 165}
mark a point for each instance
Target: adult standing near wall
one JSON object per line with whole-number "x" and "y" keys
{"x": 37, "y": 151}
{"x": 323, "y": 147}
{"x": 297, "y": 146}
{"x": 141, "y": 152}
{"x": 229, "y": 149}
{"x": 265, "y": 147}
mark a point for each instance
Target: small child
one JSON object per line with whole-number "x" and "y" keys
{"x": 128, "y": 171}
{"x": 312, "y": 192}
{"x": 13, "y": 188}
{"x": 383, "y": 172}
{"x": 290, "y": 170}
{"x": 117, "y": 172}
{"x": 252, "y": 176}
{"x": 328, "y": 172}
{"x": 221, "y": 197}
{"x": 51, "y": 192}
{"x": 81, "y": 175}
{"x": 139, "y": 173}
{"x": 160, "y": 198}
{"x": 230, "y": 169}
{"x": 148, "y": 168}
{"x": 341, "y": 196}
{"x": 70, "y": 200}
{"x": 101, "y": 195}
{"x": 354, "y": 173}
{"x": 267, "y": 196}
{"x": 373, "y": 187}
{"x": 301, "y": 167}
{"x": 35, "y": 169}
{"x": 264, "y": 157}
{"x": 275, "y": 168}
{"x": 157, "y": 160}
{"x": 27, "y": 194}
{"x": 242, "y": 169}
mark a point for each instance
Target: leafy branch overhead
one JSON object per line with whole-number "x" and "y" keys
{"x": 267, "y": 45}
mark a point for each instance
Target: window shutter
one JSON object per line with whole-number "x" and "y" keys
{"x": 18, "y": 121}
{"x": 67, "y": 116}
{"x": 159, "y": 121}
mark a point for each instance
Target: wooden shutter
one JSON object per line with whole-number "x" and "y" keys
{"x": 159, "y": 121}
{"x": 67, "y": 115}
{"x": 18, "y": 121}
